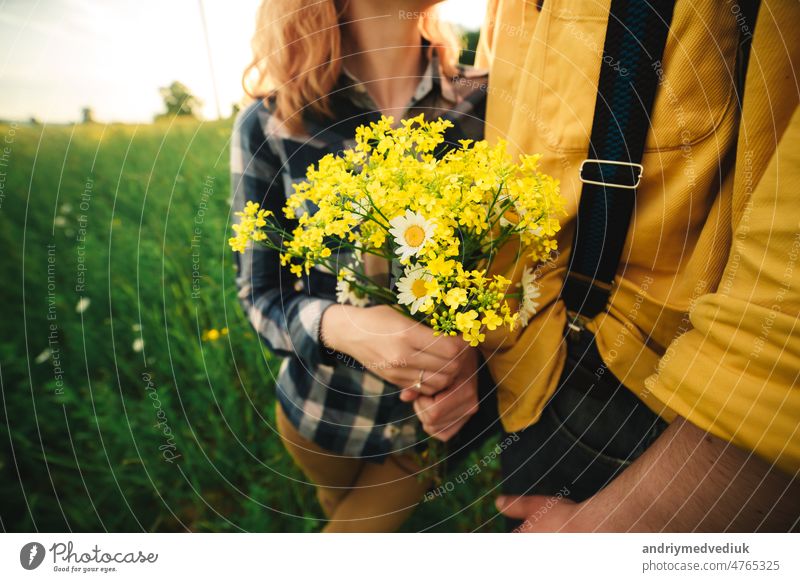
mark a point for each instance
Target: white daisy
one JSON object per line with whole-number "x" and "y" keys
{"x": 530, "y": 293}
{"x": 138, "y": 344}
{"x": 412, "y": 290}
{"x": 346, "y": 294}
{"x": 410, "y": 232}
{"x": 82, "y": 305}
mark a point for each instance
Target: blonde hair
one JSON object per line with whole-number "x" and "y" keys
{"x": 297, "y": 55}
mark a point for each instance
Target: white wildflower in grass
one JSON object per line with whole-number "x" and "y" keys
{"x": 138, "y": 344}
{"x": 530, "y": 293}
{"x": 83, "y": 305}
{"x": 346, "y": 294}
{"x": 410, "y": 231}
{"x": 415, "y": 289}
{"x": 44, "y": 356}
{"x": 60, "y": 221}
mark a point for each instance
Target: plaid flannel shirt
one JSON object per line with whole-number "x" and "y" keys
{"x": 331, "y": 399}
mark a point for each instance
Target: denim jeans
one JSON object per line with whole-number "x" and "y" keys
{"x": 590, "y": 430}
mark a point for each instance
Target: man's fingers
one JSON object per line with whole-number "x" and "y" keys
{"x": 442, "y": 423}
{"x": 449, "y": 406}
{"x": 521, "y": 506}
{"x": 409, "y": 395}
{"x": 441, "y": 410}
{"x": 448, "y": 432}
{"x": 422, "y": 406}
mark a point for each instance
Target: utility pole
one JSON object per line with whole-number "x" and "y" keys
{"x": 210, "y": 59}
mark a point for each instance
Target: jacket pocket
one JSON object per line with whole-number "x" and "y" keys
{"x": 696, "y": 88}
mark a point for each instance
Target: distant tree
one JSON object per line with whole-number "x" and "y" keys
{"x": 87, "y": 115}
{"x": 235, "y": 109}
{"x": 179, "y": 101}
{"x": 471, "y": 45}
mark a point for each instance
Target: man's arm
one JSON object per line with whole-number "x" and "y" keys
{"x": 688, "y": 480}
{"x": 735, "y": 375}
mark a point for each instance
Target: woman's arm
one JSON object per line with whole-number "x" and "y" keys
{"x": 286, "y": 319}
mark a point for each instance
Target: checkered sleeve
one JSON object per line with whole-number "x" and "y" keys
{"x": 287, "y": 319}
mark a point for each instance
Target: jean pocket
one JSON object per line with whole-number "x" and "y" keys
{"x": 602, "y": 417}
{"x": 576, "y": 442}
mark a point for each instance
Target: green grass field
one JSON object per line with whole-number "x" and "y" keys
{"x": 121, "y": 412}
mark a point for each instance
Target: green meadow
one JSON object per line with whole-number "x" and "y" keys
{"x": 135, "y": 396}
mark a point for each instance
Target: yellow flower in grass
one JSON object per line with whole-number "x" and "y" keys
{"x": 416, "y": 288}
{"x": 212, "y": 335}
{"x": 411, "y": 232}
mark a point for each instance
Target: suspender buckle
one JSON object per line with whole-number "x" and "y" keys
{"x": 576, "y": 324}
{"x": 636, "y": 171}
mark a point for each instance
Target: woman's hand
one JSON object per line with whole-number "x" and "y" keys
{"x": 395, "y": 347}
{"x": 444, "y": 414}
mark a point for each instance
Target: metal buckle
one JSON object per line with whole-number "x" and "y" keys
{"x": 576, "y": 323}
{"x": 640, "y": 167}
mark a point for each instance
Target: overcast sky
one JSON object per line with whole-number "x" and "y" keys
{"x": 57, "y": 56}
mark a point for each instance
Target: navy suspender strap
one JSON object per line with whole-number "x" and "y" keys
{"x": 635, "y": 39}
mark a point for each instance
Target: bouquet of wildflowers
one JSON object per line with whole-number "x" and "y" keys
{"x": 436, "y": 222}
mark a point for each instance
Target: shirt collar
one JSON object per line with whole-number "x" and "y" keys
{"x": 431, "y": 79}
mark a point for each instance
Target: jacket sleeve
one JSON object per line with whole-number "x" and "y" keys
{"x": 736, "y": 373}
{"x": 285, "y": 317}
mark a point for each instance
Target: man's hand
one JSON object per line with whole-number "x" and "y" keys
{"x": 443, "y": 414}
{"x": 687, "y": 480}
{"x": 542, "y": 514}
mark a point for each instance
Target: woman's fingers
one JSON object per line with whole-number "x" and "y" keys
{"x": 445, "y": 347}
{"x": 431, "y": 384}
{"x": 431, "y": 373}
